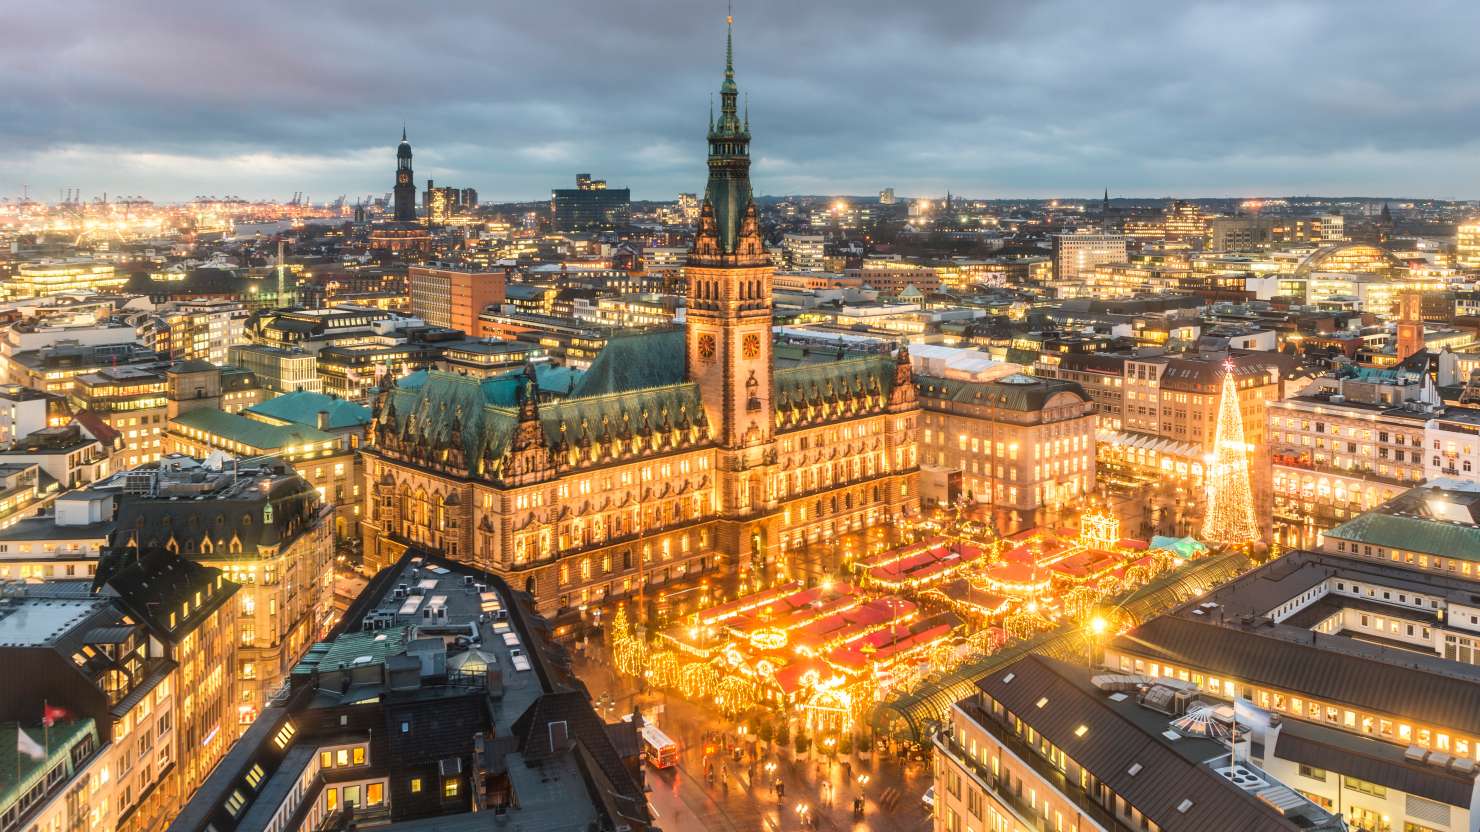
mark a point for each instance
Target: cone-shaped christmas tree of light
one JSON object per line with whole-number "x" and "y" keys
{"x": 1230, "y": 517}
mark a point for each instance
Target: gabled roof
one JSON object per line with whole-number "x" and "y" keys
{"x": 635, "y": 362}
{"x": 538, "y": 743}
{"x": 817, "y": 384}
{"x": 156, "y": 583}
{"x": 1040, "y": 691}
{"x": 1326, "y": 667}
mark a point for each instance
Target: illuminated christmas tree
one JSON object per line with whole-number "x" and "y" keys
{"x": 1230, "y": 516}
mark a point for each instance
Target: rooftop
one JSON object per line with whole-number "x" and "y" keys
{"x": 1432, "y": 519}
{"x": 254, "y": 434}
{"x": 1135, "y": 743}
{"x": 431, "y": 654}
{"x": 303, "y": 407}
{"x": 1237, "y": 630}
{"x": 34, "y": 622}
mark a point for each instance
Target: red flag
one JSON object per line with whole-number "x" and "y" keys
{"x": 50, "y": 714}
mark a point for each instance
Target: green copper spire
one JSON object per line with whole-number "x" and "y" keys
{"x": 728, "y": 191}
{"x": 729, "y": 84}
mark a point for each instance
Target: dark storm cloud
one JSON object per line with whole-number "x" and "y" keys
{"x": 1055, "y": 97}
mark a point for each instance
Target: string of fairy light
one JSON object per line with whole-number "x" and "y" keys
{"x": 737, "y": 668}
{"x": 1230, "y": 499}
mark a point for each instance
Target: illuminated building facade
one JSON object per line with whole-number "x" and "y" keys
{"x": 452, "y": 297}
{"x": 267, "y": 531}
{"x": 1074, "y": 255}
{"x": 47, "y": 277}
{"x": 1020, "y": 443}
{"x": 1362, "y": 651}
{"x": 1340, "y": 451}
{"x": 892, "y": 277}
{"x": 679, "y": 450}
{"x": 133, "y": 681}
{"x": 280, "y": 369}
{"x": 1467, "y": 245}
{"x": 1043, "y": 745}
{"x": 196, "y": 330}
{"x": 805, "y": 252}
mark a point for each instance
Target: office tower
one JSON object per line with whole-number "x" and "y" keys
{"x": 1075, "y": 255}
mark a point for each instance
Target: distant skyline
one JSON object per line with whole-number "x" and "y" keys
{"x": 988, "y": 100}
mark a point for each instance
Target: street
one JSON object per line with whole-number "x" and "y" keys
{"x": 815, "y": 793}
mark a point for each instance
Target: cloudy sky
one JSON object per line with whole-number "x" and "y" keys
{"x": 989, "y": 98}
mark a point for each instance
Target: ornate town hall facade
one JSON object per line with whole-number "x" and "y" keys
{"x": 701, "y": 449}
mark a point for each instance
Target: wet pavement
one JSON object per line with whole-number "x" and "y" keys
{"x": 817, "y": 792}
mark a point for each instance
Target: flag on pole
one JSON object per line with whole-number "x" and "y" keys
{"x": 27, "y": 746}
{"x": 51, "y": 713}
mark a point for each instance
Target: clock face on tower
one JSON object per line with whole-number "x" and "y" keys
{"x": 403, "y": 177}
{"x": 706, "y": 347}
{"x": 751, "y": 346}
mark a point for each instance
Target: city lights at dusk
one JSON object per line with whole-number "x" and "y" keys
{"x": 964, "y": 417}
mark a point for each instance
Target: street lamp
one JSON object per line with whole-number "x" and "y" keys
{"x": 1097, "y": 627}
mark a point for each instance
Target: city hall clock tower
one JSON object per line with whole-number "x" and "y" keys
{"x": 729, "y": 317}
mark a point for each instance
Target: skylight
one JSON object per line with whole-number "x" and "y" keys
{"x": 1184, "y": 806}
{"x": 1081, "y": 730}
{"x": 1134, "y": 769}
{"x": 1041, "y": 702}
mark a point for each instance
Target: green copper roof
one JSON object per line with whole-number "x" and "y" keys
{"x": 620, "y": 415}
{"x": 19, "y": 773}
{"x": 635, "y": 362}
{"x": 303, "y": 408}
{"x": 1412, "y": 534}
{"x": 826, "y": 382}
{"x": 354, "y": 648}
{"x": 250, "y": 432}
{"x": 728, "y": 191}
{"x": 429, "y": 406}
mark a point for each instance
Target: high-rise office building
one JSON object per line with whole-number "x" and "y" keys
{"x": 590, "y": 206}
{"x": 1075, "y": 255}
{"x": 453, "y": 297}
